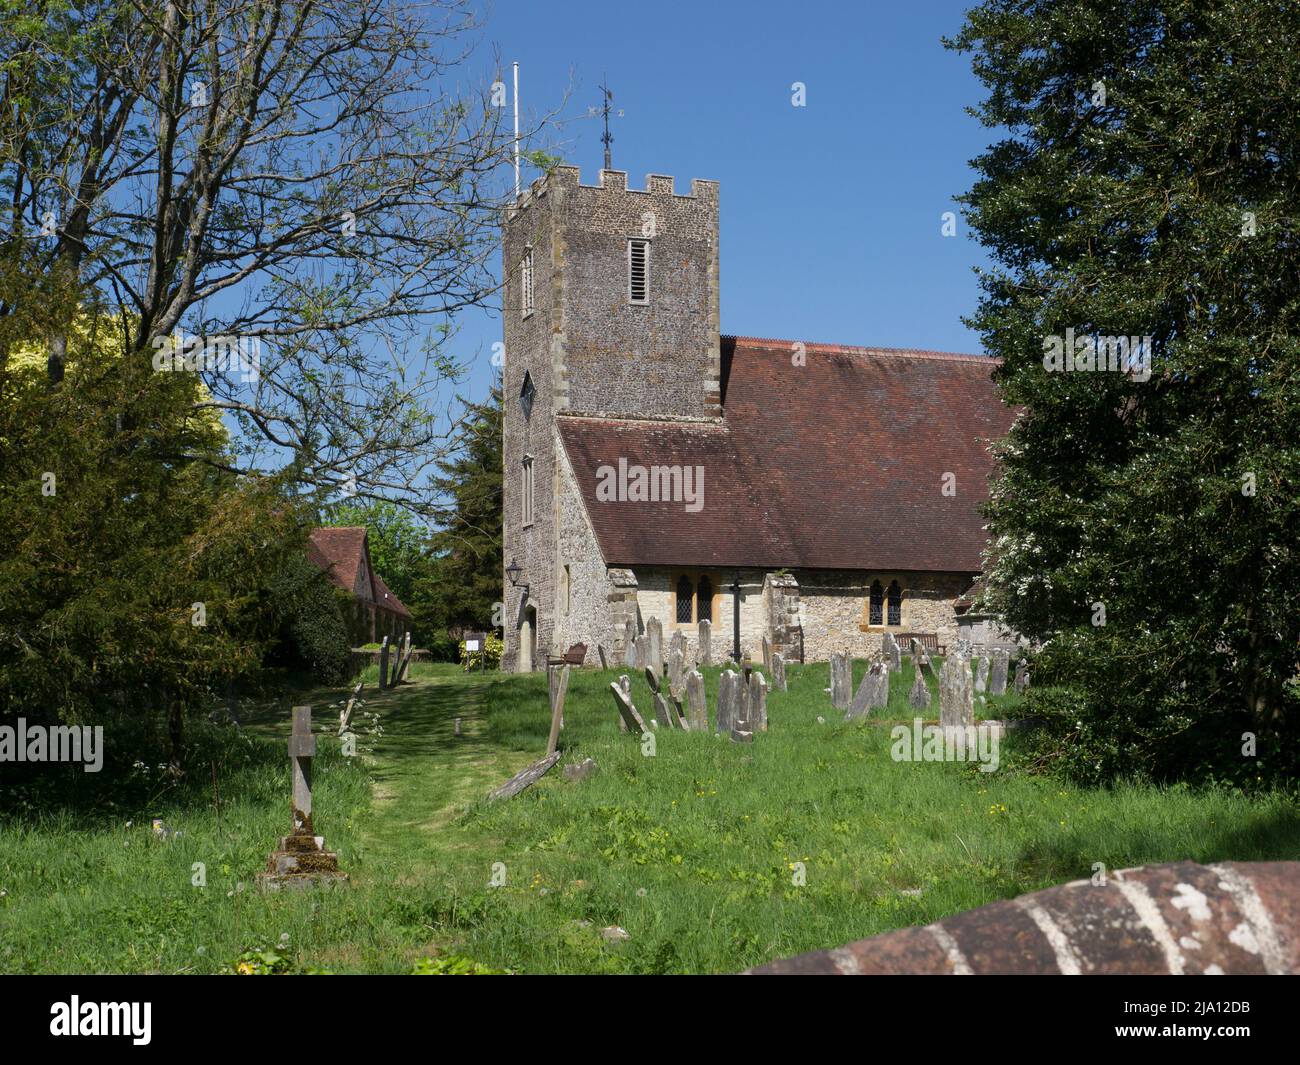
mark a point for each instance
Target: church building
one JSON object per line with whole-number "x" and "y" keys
{"x": 816, "y": 494}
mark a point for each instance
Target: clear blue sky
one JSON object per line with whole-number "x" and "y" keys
{"x": 831, "y": 213}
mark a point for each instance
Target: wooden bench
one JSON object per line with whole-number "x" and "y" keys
{"x": 574, "y": 656}
{"x": 929, "y": 640}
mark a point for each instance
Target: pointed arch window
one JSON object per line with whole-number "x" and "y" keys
{"x": 685, "y": 599}
{"x": 877, "y": 608}
{"x": 895, "y": 603}
{"x": 526, "y": 394}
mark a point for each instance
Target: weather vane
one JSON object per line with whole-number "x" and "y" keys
{"x": 607, "y": 139}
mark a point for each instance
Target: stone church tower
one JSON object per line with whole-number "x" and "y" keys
{"x": 611, "y": 310}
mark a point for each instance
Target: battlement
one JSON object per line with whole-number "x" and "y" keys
{"x": 570, "y": 177}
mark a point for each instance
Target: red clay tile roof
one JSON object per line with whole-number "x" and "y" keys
{"x": 343, "y": 552}
{"x": 836, "y": 464}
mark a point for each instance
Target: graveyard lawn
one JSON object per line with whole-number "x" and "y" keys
{"x": 709, "y": 856}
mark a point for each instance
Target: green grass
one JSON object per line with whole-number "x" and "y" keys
{"x": 690, "y": 851}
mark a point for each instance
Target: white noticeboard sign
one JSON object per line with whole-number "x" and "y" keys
{"x": 471, "y": 645}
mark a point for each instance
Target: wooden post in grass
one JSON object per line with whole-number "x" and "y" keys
{"x": 383, "y": 664}
{"x": 557, "y": 709}
{"x": 345, "y": 715}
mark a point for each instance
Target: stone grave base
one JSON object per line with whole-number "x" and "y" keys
{"x": 301, "y": 862}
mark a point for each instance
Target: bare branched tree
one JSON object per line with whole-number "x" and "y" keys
{"x": 314, "y": 182}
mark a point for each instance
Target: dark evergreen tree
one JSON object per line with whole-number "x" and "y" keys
{"x": 1147, "y": 184}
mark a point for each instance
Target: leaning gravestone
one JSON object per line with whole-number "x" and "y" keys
{"x": 919, "y": 697}
{"x": 872, "y": 692}
{"x": 998, "y": 673}
{"x": 624, "y": 682}
{"x": 728, "y": 685}
{"x": 757, "y": 702}
{"x": 651, "y": 679}
{"x": 706, "y": 643}
{"x": 956, "y": 693}
{"x": 629, "y": 644}
{"x": 604, "y": 658}
{"x": 778, "y": 673}
{"x": 841, "y": 681}
{"x": 525, "y": 778}
{"x": 302, "y": 859}
{"x": 626, "y": 711}
{"x": 892, "y": 652}
{"x": 654, "y": 631}
{"x": 698, "y": 709}
{"x": 663, "y": 712}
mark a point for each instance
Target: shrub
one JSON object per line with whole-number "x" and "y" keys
{"x": 494, "y": 646}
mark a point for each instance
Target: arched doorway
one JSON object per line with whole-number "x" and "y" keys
{"x": 528, "y": 639}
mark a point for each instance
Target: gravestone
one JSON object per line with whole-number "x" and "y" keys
{"x": 981, "y": 674}
{"x": 581, "y": 770}
{"x": 302, "y": 859}
{"x": 525, "y": 778}
{"x": 651, "y": 679}
{"x": 892, "y": 652}
{"x": 998, "y": 673}
{"x": 345, "y": 715}
{"x": 677, "y": 643}
{"x": 558, "y": 693}
{"x": 676, "y": 670}
{"x": 642, "y": 659}
{"x": 697, "y": 706}
{"x": 742, "y": 726}
{"x": 654, "y": 631}
{"x": 956, "y": 693}
{"x": 919, "y": 697}
{"x": 767, "y": 654}
{"x": 663, "y": 712}
{"x": 604, "y": 658}
{"x": 706, "y": 642}
{"x": 626, "y": 711}
{"x": 873, "y": 692}
{"x": 728, "y": 685}
{"x": 841, "y": 681}
{"x": 1022, "y": 676}
{"x": 383, "y": 665}
{"x": 404, "y": 660}
{"x": 629, "y": 644}
{"x": 778, "y": 673}
{"x": 757, "y": 702}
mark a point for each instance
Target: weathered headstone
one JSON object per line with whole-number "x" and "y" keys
{"x": 1022, "y": 676}
{"x": 383, "y": 664}
{"x": 778, "y": 673}
{"x": 345, "y": 715}
{"x": 654, "y": 631}
{"x": 742, "y": 723}
{"x": 677, "y": 643}
{"x": 841, "y": 681}
{"x": 919, "y": 697}
{"x": 663, "y": 712}
{"x": 956, "y": 693}
{"x": 642, "y": 645}
{"x": 652, "y": 679}
{"x": 892, "y": 651}
{"x": 981, "y": 674}
{"x": 627, "y": 712}
{"x": 676, "y": 670}
{"x": 728, "y": 685}
{"x": 557, "y": 707}
{"x": 525, "y": 778}
{"x": 629, "y": 644}
{"x": 998, "y": 673}
{"x": 405, "y": 659}
{"x": 767, "y": 654}
{"x": 697, "y": 706}
{"x": 757, "y": 702}
{"x": 706, "y": 642}
{"x": 604, "y": 658}
{"x": 302, "y": 859}
{"x": 873, "y": 692}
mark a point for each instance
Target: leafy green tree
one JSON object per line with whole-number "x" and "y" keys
{"x": 463, "y": 589}
{"x": 1144, "y": 526}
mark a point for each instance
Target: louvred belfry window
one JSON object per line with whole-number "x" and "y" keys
{"x": 638, "y": 271}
